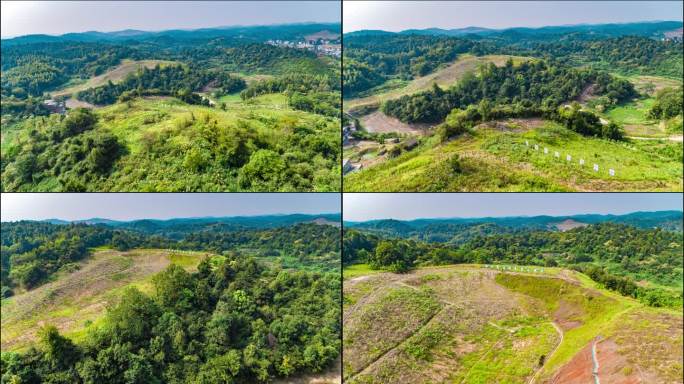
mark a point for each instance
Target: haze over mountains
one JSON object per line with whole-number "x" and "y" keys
{"x": 260, "y": 221}
{"x": 248, "y": 33}
{"x": 655, "y": 29}
{"x": 670, "y": 220}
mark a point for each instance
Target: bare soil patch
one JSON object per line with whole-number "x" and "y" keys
{"x": 381, "y": 123}
{"x": 576, "y": 371}
{"x": 72, "y": 103}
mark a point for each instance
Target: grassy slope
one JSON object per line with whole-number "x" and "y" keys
{"x": 506, "y": 347}
{"x": 74, "y": 301}
{"x": 152, "y": 119}
{"x": 495, "y": 160}
{"x": 444, "y": 77}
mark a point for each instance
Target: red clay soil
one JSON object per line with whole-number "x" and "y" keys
{"x": 381, "y": 123}
{"x": 613, "y": 367}
{"x": 577, "y": 371}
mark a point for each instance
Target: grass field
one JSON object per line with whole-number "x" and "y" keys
{"x": 500, "y": 327}
{"x": 444, "y": 77}
{"x": 76, "y": 300}
{"x": 495, "y": 158}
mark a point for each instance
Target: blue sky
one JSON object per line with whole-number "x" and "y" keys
{"x": 400, "y": 15}
{"x": 406, "y": 206}
{"x": 131, "y": 206}
{"x": 59, "y": 17}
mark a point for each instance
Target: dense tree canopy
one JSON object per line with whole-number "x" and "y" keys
{"x": 231, "y": 322}
{"x": 529, "y": 85}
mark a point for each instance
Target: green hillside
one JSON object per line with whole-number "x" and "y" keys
{"x": 94, "y": 302}
{"x": 479, "y": 325}
{"x": 207, "y": 110}
{"x": 494, "y": 157}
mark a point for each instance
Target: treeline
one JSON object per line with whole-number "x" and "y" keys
{"x": 33, "y": 251}
{"x": 530, "y": 85}
{"x": 291, "y": 83}
{"x": 66, "y": 148}
{"x": 230, "y": 322}
{"x": 178, "y": 81}
{"x": 625, "y": 251}
{"x": 626, "y": 286}
{"x": 371, "y": 59}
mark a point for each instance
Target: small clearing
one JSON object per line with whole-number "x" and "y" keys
{"x": 378, "y": 122}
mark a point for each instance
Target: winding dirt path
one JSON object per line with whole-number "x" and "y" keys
{"x": 561, "y": 334}
{"x": 594, "y": 359}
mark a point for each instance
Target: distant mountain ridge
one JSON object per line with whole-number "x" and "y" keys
{"x": 254, "y": 33}
{"x": 646, "y": 29}
{"x": 260, "y": 221}
{"x": 671, "y": 220}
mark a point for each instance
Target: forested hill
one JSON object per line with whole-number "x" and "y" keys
{"x": 224, "y": 305}
{"x": 251, "y": 33}
{"x": 265, "y": 221}
{"x": 33, "y": 251}
{"x": 460, "y": 229}
{"x": 373, "y": 57}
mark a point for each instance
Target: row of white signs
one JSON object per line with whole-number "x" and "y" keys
{"x": 515, "y": 268}
{"x": 611, "y": 171}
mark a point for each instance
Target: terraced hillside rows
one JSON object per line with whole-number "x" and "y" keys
{"x": 77, "y": 299}
{"x": 467, "y": 324}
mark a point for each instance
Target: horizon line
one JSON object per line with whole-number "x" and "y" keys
{"x": 511, "y": 216}
{"x": 177, "y": 218}
{"x": 174, "y": 29}
{"x": 515, "y": 27}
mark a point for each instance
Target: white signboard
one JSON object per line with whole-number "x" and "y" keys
{"x": 612, "y": 172}
{"x": 556, "y": 154}
{"x": 546, "y": 150}
{"x": 581, "y": 161}
{"x": 595, "y": 167}
{"x": 568, "y": 157}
